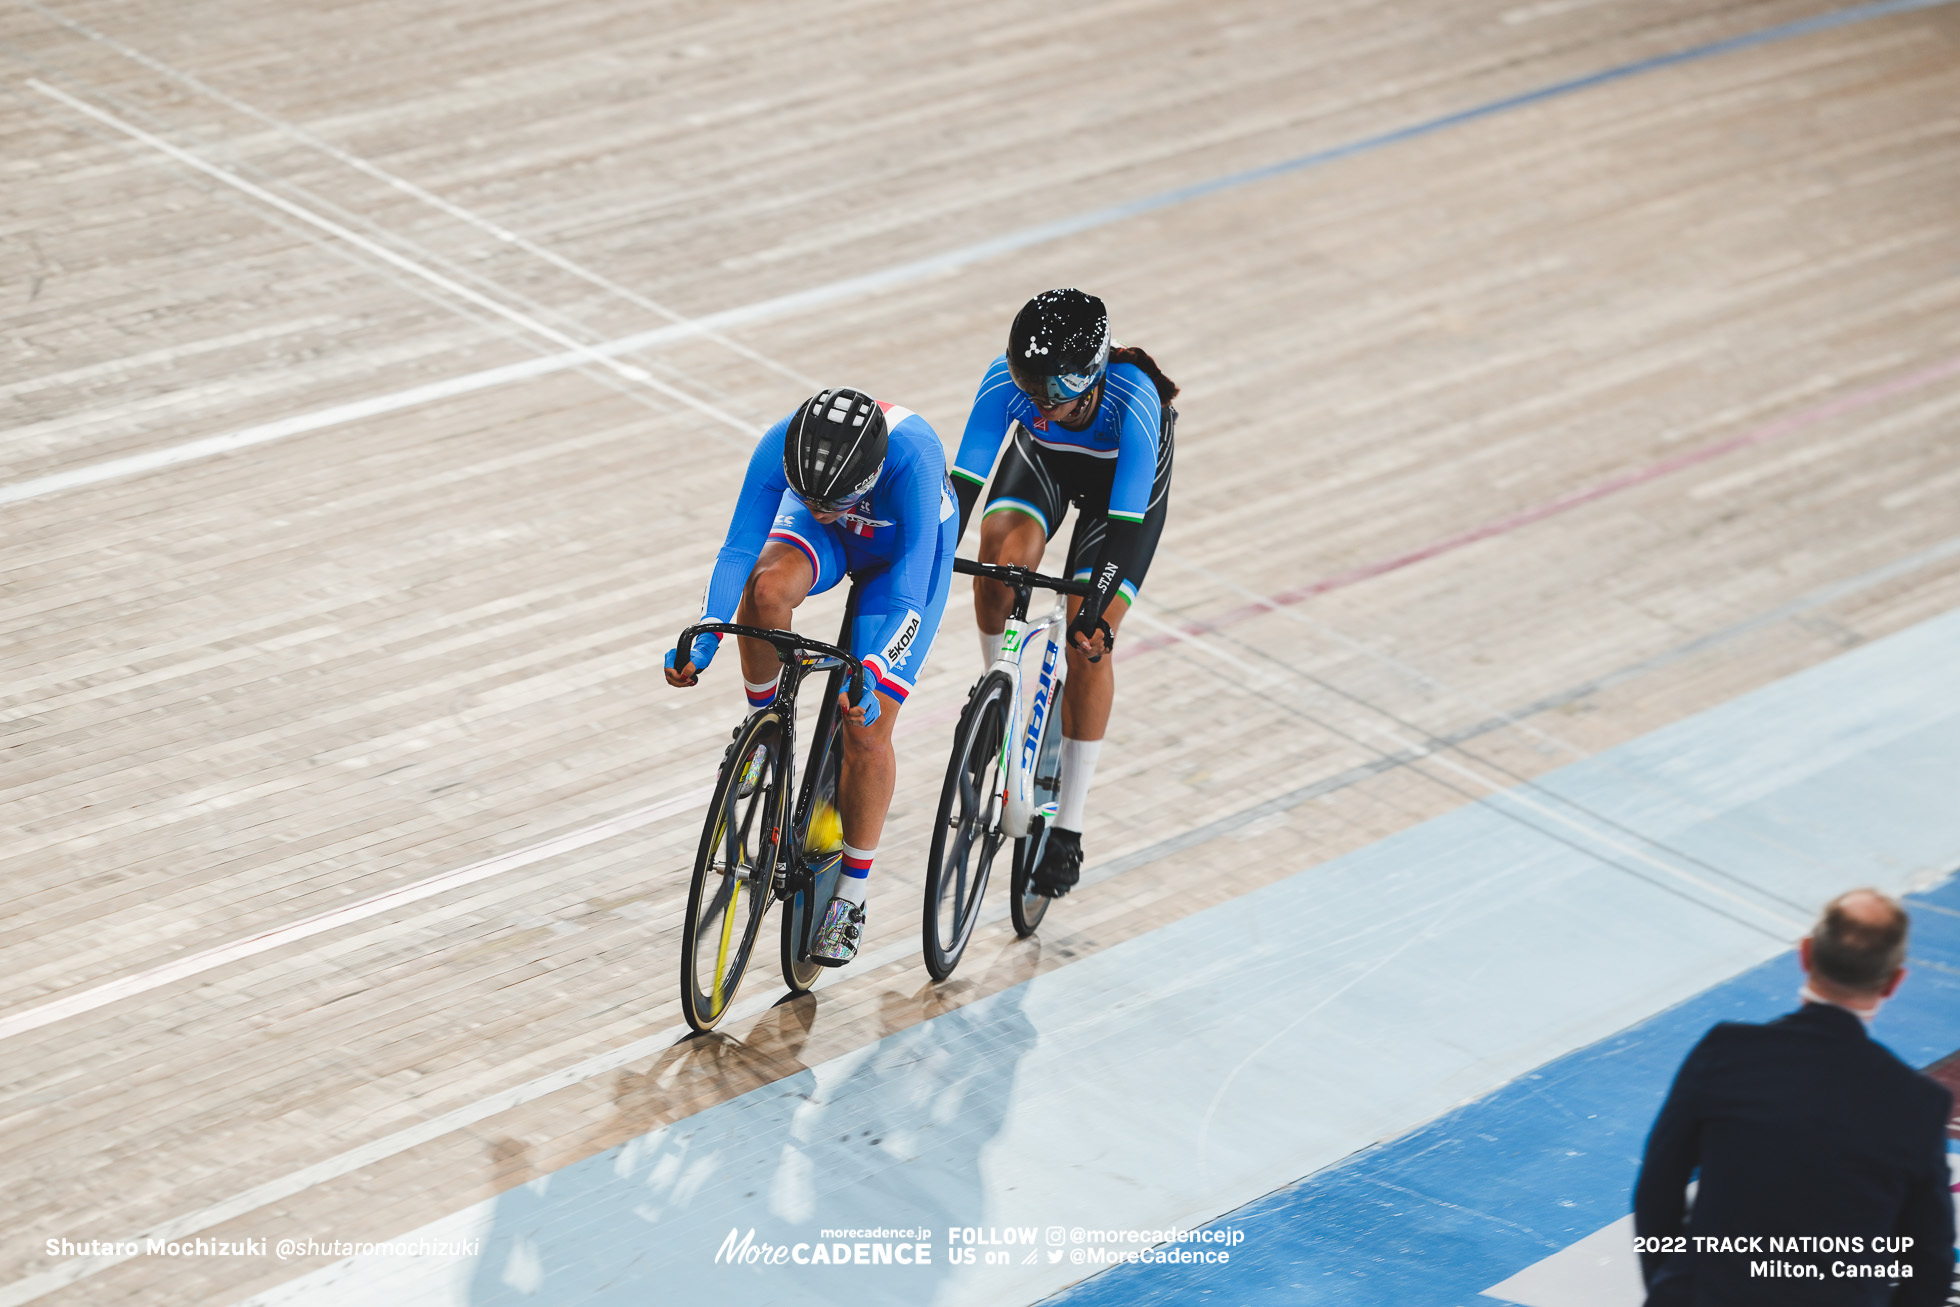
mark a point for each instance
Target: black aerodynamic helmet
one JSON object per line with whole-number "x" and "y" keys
{"x": 1059, "y": 345}
{"x": 835, "y": 449}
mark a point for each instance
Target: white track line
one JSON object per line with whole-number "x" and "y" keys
{"x": 580, "y": 350}
{"x": 1210, "y": 650}
{"x": 87, "y": 1000}
{"x": 66, "y": 1273}
{"x": 210, "y": 446}
{"x": 353, "y": 1159}
{"x": 871, "y": 283}
{"x": 955, "y": 260}
{"x": 410, "y": 189}
{"x": 1367, "y": 650}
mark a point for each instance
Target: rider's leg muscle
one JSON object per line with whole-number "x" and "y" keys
{"x": 1091, "y": 686}
{"x": 779, "y": 582}
{"x": 1016, "y": 539}
{"x": 870, "y": 771}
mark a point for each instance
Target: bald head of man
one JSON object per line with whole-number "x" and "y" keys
{"x": 1855, "y": 955}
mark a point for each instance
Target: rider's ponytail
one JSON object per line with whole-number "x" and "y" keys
{"x": 1166, "y": 388}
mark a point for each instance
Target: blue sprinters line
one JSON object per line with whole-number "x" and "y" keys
{"x": 1784, "y": 31}
{"x": 1015, "y": 241}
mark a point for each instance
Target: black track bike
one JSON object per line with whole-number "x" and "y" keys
{"x": 755, "y": 846}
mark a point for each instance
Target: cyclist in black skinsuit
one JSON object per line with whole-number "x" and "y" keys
{"x": 1091, "y": 425}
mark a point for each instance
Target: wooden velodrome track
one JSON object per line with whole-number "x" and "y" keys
{"x": 1589, "y": 414}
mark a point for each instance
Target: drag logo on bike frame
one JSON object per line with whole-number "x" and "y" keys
{"x": 1039, "y": 709}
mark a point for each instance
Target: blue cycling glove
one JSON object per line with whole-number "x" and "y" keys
{"x": 867, "y": 698}
{"x": 701, "y": 654}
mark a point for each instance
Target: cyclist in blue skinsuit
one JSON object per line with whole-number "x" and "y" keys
{"x": 844, "y": 486}
{"x": 1091, "y": 425}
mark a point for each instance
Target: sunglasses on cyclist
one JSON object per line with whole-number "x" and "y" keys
{"x": 830, "y": 505}
{"x": 1054, "y": 392}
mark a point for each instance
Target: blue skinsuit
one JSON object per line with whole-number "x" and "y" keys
{"x": 1125, "y": 429}
{"x": 897, "y": 542}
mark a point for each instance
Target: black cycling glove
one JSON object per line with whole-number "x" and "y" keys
{"x": 1105, "y": 581}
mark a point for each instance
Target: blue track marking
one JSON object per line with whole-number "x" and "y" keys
{"x": 1180, "y": 1075}
{"x": 917, "y": 270}
{"x": 1439, "y": 1215}
{"x": 1492, "y": 108}
{"x": 949, "y": 261}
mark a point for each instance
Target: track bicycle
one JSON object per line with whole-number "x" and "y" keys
{"x": 744, "y": 861}
{"x": 1003, "y": 778}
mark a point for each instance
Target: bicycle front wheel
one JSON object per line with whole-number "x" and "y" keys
{"x": 733, "y": 870}
{"x": 967, "y": 833}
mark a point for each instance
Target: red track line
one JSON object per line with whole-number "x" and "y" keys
{"x": 1799, "y": 421}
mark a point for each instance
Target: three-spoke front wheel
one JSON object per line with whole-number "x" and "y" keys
{"x": 967, "y": 835}
{"x": 733, "y": 870}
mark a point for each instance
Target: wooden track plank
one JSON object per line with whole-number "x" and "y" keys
{"x": 262, "y": 685}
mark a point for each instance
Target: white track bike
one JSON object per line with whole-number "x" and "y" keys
{"x": 1002, "y": 779}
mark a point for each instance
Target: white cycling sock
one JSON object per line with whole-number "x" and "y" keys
{"x": 857, "y": 874}
{"x": 762, "y": 693}
{"x": 990, "y": 648}
{"x": 1078, "y": 769}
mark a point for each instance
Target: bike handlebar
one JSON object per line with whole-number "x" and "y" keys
{"x": 1020, "y": 577}
{"x": 788, "y": 644}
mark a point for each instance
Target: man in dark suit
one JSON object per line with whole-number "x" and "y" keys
{"x": 1821, "y": 1153}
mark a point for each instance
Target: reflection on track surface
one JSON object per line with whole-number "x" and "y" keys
{"x": 1173, "y": 1077}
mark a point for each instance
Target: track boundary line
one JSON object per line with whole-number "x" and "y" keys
{"x": 577, "y": 351}
{"x": 1489, "y": 791}
{"x": 69, "y": 1272}
{"x": 87, "y": 1000}
{"x": 462, "y": 214}
{"x": 916, "y": 270}
{"x": 1801, "y": 420}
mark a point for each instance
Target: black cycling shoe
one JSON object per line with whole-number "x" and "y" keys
{"x": 1061, "y": 864}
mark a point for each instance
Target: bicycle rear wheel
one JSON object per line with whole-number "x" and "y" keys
{"x": 967, "y": 835}
{"x": 1026, "y": 906}
{"x": 733, "y": 870}
{"x": 819, "y": 845}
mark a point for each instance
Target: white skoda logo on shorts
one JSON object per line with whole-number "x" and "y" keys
{"x": 900, "y": 647}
